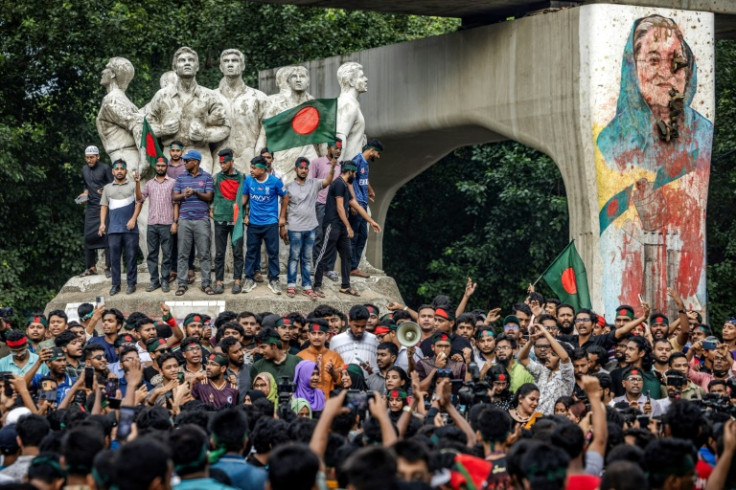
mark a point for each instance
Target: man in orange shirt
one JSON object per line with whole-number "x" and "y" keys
{"x": 329, "y": 362}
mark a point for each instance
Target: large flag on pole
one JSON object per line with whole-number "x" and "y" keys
{"x": 567, "y": 278}
{"x": 150, "y": 144}
{"x": 312, "y": 122}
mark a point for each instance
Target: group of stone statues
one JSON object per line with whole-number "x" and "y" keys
{"x": 229, "y": 116}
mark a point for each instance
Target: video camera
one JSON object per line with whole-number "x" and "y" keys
{"x": 474, "y": 391}
{"x": 286, "y": 388}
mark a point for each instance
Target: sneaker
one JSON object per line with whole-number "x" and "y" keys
{"x": 274, "y": 286}
{"x": 258, "y": 277}
{"x": 333, "y": 276}
{"x": 249, "y": 285}
{"x": 237, "y": 288}
{"x": 219, "y": 289}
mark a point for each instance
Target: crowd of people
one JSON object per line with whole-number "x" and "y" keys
{"x": 323, "y": 212}
{"x": 434, "y": 396}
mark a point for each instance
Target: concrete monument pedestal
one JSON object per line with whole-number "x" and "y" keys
{"x": 378, "y": 290}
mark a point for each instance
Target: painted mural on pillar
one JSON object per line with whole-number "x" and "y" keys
{"x": 653, "y": 164}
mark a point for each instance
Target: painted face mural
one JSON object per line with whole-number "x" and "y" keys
{"x": 653, "y": 163}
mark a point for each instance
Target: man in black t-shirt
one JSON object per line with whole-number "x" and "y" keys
{"x": 337, "y": 230}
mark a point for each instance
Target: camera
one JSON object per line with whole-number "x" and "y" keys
{"x": 6, "y": 313}
{"x": 285, "y": 389}
{"x": 357, "y": 401}
{"x": 474, "y": 391}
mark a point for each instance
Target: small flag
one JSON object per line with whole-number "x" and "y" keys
{"x": 567, "y": 278}
{"x": 314, "y": 121}
{"x": 238, "y": 213}
{"x": 150, "y": 144}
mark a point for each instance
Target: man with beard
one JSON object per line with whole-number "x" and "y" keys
{"x": 227, "y": 183}
{"x": 20, "y": 361}
{"x": 72, "y": 345}
{"x": 321, "y": 168}
{"x": 661, "y": 353}
{"x": 355, "y": 345}
{"x": 505, "y": 351}
{"x": 363, "y": 194}
{"x": 581, "y": 368}
{"x": 638, "y": 355}
{"x": 722, "y": 362}
{"x": 275, "y": 360}
{"x": 194, "y": 327}
{"x": 56, "y": 365}
{"x": 566, "y": 319}
{"x": 162, "y": 223}
{"x": 338, "y": 230}
{"x": 94, "y": 357}
{"x": 118, "y": 203}
{"x": 112, "y": 322}
{"x": 554, "y": 373}
{"x": 238, "y": 373}
{"x": 373, "y": 319}
{"x": 485, "y": 347}
{"x": 675, "y": 381}
{"x": 385, "y": 357}
{"x": 633, "y": 383}
{"x": 250, "y": 325}
{"x": 96, "y": 175}
{"x": 285, "y": 327}
{"x": 175, "y": 168}
{"x": 216, "y": 391}
{"x": 145, "y": 330}
{"x": 329, "y": 362}
{"x": 584, "y": 321}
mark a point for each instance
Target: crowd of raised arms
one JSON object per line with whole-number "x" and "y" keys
{"x": 535, "y": 396}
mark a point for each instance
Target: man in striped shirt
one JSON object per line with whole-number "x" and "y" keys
{"x": 161, "y": 225}
{"x": 119, "y": 198}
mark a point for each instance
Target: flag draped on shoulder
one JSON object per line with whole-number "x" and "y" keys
{"x": 150, "y": 144}
{"x": 567, "y": 278}
{"x": 312, "y": 122}
{"x": 238, "y": 213}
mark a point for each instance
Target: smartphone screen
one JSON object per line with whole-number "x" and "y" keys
{"x": 89, "y": 377}
{"x": 111, "y": 387}
{"x": 127, "y": 414}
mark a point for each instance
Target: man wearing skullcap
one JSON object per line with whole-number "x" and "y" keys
{"x": 96, "y": 175}
{"x": 328, "y": 361}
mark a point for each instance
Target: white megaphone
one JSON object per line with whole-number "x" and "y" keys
{"x": 409, "y": 334}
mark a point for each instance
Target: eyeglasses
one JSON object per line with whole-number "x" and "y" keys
{"x": 635, "y": 379}
{"x": 162, "y": 351}
{"x": 193, "y": 348}
{"x": 582, "y": 320}
{"x": 511, "y": 326}
{"x": 503, "y": 347}
{"x": 98, "y": 358}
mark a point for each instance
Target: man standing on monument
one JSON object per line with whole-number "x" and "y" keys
{"x": 187, "y": 111}
{"x": 319, "y": 169}
{"x": 338, "y": 231}
{"x": 227, "y": 183}
{"x": 119, "y": 198}
{"x": 262, "y": 191}
{"x": 301, "y": 224}
{"x": 161, "y": 223}
{"x": 244, "y": 107}
{"x": 350, "y": 120}
{"x": 194, "y": 191}
{"x": 175, "y": 169}
{"x": 363, "y": 193}
{"x": 96, "y": 175}
{"x": 119, "y": 121}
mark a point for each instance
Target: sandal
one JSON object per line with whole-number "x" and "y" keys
{"x": 181, "y": 290}
{"x": 191, "y": 277}
{"x": 88, "y": 272}
{"x": 310, "y": 293}
{"x": 349, "y": 292}
{"x": 317, "y": 291}
{"x": 208, "y": 290}
{"x": 291, "y": 291}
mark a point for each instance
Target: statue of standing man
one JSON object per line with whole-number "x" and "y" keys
{"x": 188, "y": 112}
{"x": 350, "y": 120}
{"x": 119, "y": 121}
{"x": 244, "y": 107}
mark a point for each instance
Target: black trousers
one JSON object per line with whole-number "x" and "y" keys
{"x": 335, "y": 241}
{"x": 223, "y": 232}
{"x": 159, "y": 236}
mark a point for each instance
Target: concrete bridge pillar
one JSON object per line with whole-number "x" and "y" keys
{"x": 554, "y": 82}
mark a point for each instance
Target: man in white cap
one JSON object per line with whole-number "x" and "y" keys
{"x": 96, "y": 175}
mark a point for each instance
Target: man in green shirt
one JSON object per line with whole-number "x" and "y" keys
{"x": 227, "y": 183}
{"x": 505, "y": 351}
{"x": 275, "y": 359}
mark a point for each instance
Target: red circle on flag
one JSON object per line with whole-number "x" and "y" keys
{"x": 612, "y": 208}
{"x": 305, "y": 121}
{"x": 568, "y": 281}
{"x": 150, "y": 145}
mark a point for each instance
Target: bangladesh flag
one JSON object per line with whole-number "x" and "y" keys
{"x": 238, "y": 213}
{"x": 314, "y": 121}
{"x": 567, "y": 278}
{"x": 149, "y": 142}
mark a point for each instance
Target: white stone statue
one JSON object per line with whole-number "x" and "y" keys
{"x": 119, "y": 121}
{"x": 293, "y": 82}
{"x": 168, "y": 78}
{"x": 244, "y": 106}
{"x": 350, "y": 121}
{"x": 188, "y": 112}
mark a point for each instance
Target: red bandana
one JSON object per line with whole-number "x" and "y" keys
{"x": 394, "y": 394}
{"x": 441, "y": 312}
{"x": 316, "y": 327}
{"x": 17, "y": 343}
{"x": 502, "y": 377}
{"x": 197, "y": 319}
{"x": 659, "y": 319}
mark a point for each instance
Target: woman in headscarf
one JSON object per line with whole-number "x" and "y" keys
{"x": 252, "y": 395}
{"x": 264, "y": 382}
{"x": 306, "y": 378}
{"x": 301, "y": 408}
{"x": 352, "y": 378}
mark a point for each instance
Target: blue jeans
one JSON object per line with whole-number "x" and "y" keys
{"x": 360, "y": 230}
{"x": 301, "y": 244}
{"x": 254, "y": 236}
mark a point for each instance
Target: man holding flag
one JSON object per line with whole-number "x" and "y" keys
{"x": 227, "y": 183}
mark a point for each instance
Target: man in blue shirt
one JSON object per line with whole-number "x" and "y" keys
{"x": 229, "y": 434}
{"x": 194, "y": 190}
{"x": 57, "y": 372}
{"x": 363, "y": 193}
{"x": 262, "y": 191}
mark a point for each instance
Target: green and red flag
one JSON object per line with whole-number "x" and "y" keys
{"x": 150, "y": 144}
{"x": 238, "y": 213}
{"x": 567, "y": 278}
{"x": 314, "y": 121}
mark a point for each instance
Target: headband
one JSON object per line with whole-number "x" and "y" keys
{"x": 226, "y": 158}
{"x": 260, "y": 165}
{"x": 38, "y": 319}
{"x": 175, "y": 146}
{"x": 440, "y": 337}
{"x": 17, "y": 343}
{"x": 316, "y": 327}
{"x": 219, "y": 359}
{"x": 270, "y": 340}
{"x": 625, "y": 312}
{"x": 154, "y": 344}
{"x": 192, "y": 317}
{"x": 397, "y": 394}
{"x": 349, "y": 167}
{"x": 443, "y": 313}
{"x": 485, "y": 333}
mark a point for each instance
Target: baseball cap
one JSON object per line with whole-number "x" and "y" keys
{"x": 192, "y": 155}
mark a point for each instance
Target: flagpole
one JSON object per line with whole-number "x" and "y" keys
{"x": 553, "y": 262}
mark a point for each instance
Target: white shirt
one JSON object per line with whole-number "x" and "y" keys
{"x": 352, "y": 349}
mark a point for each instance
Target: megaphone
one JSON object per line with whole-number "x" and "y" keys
{"x": 409, "y": 334}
